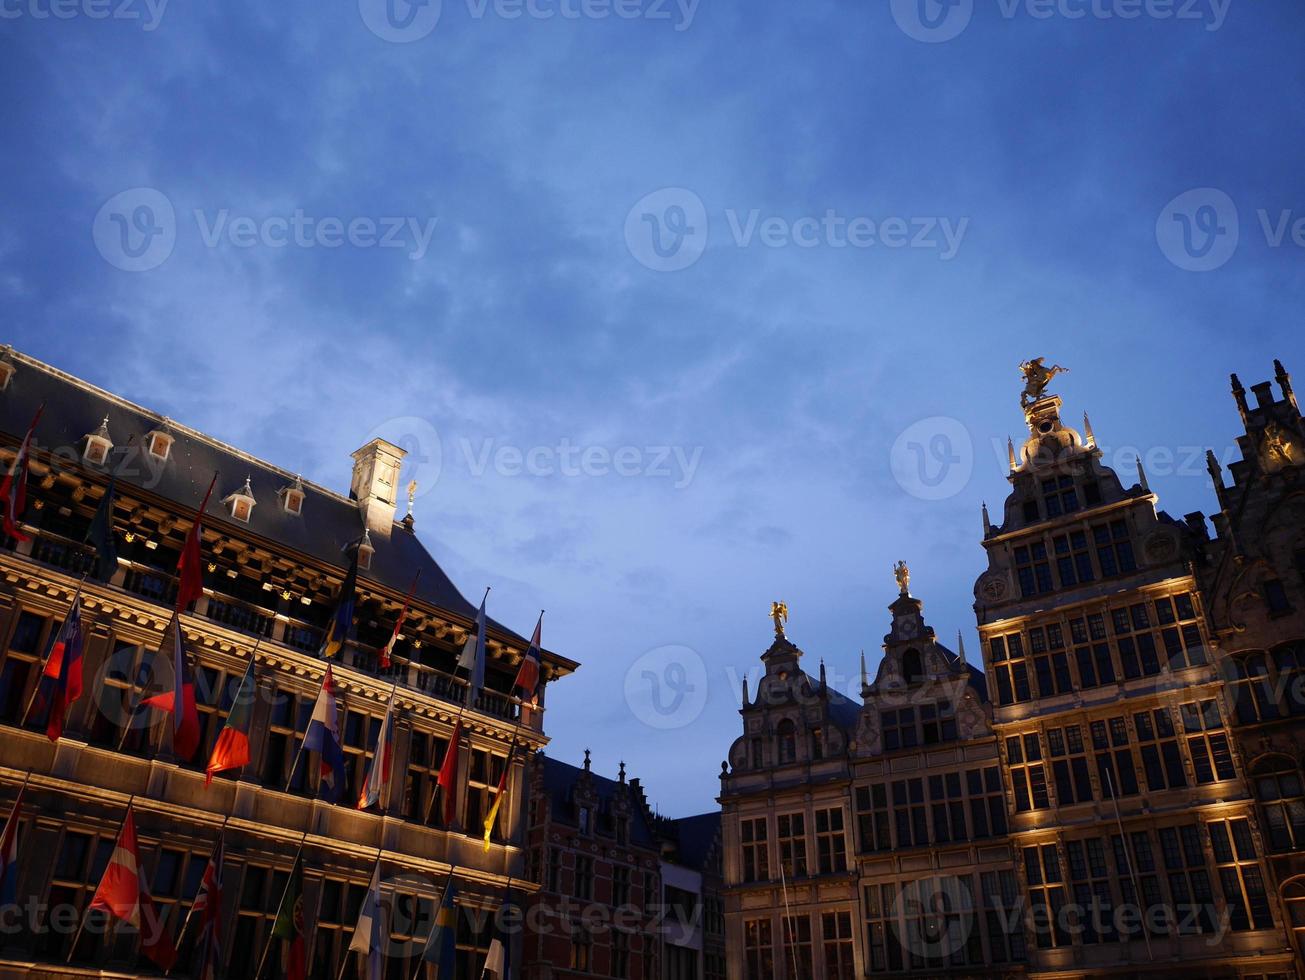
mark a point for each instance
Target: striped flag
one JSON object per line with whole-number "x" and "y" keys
{"x": 61, "y": 680}
{"x": 342, "y": 621}
{"x": 208, "y": 906}
{"x": 499, "y": 797}
{"x": 290, "y": 925}
{"x": 388, "y": 653}
{"x": 473, "y": 654}
{"x": 448, "y": 777}
{"x": 498, "y": 961}
{"x": 323, "y": 737}
{"x": 527, "y": 681}
{"x": 231, "y": 750}
{"x": 180, "y": 701}
{"x": 13, "y": 491}
{"x": 377, "y": 785}
{"x": 9, "y": 854}
{"x": 125, "y": 896}
{"x": 369, "y": 933}
{"x": 441, "y": 945}
{"x": 190, "y": 565}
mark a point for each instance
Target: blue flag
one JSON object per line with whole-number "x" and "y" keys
{"x": 442, "y": 944}
{"x": 323, "y": 737}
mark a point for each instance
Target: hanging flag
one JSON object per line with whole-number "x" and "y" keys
{"x": 498, "y": 962}
{"x": 232, "y": 748}
{"x": 448, "y": 778}
{"x": 61, "y": 680}
{"x": 100, "y": 536}
{"x": 388, "y": 653}
{"x": 527, "y": 681}
{"x": 342, "y": 621}
{"x": 377, "y": 784}
{"x": 492, "y": 818}
{"x": 368, "y": 935}
{"x": 290, "y": 926}
{"x": 9, "y": 854}
{"x": 124, "y": 894}
{"x": 323, "y": 737}
{"x": 13, "y": 491}
{"x": 190, "y": 565}
{"x": 185, "y": 721}
{"x": 442, "y": 943}
{"x": 473, "y": 655}
{"x": 208, "y": 906}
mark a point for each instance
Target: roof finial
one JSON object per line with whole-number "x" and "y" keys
{"x": 903, "y": 575}
{"x": 1284, "y": 382}
{"x": 586, "y": 760}
{"x": 1239, "y": 395}
{"x": 960, "y": 645}
{"x": 987, "y": 522}
{"x": 1010, "y": 453}
{"x": 865, "y": 679}
{"x": 779, "y": 613}
{"x": 620, "y": 774}
{"x": 823, "y": 685}
{"x": 1216, "y": 471}
{"x": 1087, "y": 431}
{"x": 747, "y": 700}
{"x": 1141, "y": 474}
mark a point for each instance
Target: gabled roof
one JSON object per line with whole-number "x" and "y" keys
{"x": 328, "y": 524}
{"x": 560, "y": 781}
{"x": 695, "y": 838}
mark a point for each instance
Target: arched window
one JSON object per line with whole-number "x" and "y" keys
{"x": 1293, "y": 900}
{"x": 1252, "y": 689}
{"x": 1281, "y": 794}
{"x": 787, "y": 734}
{"x": 912, "y": 666}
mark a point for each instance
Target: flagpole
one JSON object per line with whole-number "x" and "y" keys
{"x": 267, "y": 948}
{"x": 300, "y": 754}
{"x": 135, "y": 695}
{"x": 1128, "y": 858}
{"x": 507, "y": 896}
{"x": 462, "y": 707}
{"x": 252, "y": 671}
{"x": 516, "y": 730}
{"x": 421, "y": 959}
{"x": 190, "y": 913}
{"x": 375, "y": 869}
{"x": 87, "y": 911}
{"x": 45, "y": 662}
{"x": 403, "y": 616}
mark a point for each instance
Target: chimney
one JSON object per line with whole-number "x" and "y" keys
{"x": 1263, "y": 394}
{"x": 376, "y": 469}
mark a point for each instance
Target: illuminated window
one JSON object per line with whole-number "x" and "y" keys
{"x": 792, "y": 839}
{"x": 1069, "y": 765}
{"x": 831, "y": 843}
{"x": 1239, "y": 874}
{"x": 1046, "y": 895}
{"x": 1161, "y": 758}
{"x": 836, "y": 937}
{"x": 1028, "y": 778}
{"x": 1114, "y": 759}
{"x": 160, "y": 444}
{"x": 1207, "y": 741}
{"x": 758, "y": 950}
{"x": 1278, "y": 787}
{"x": 756, "y": 854}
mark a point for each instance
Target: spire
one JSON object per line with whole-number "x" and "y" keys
{"x": 586, "y": 760}
{"x": 987, "y": 523}
{"x": 824, "y": 688}
{"x": 1216, "y": 471}
{"x": 960, "y": 645}
{"x": 1087, "y": 431}
{"x": 1239, "y": 395}
{"x": 1141, "y": 475}
{"x": 865, "y": 680}
{"x": 1284, "y": 382}
{"x": 1010, "y": 452}
{"x": 746, "y": 699}
{"x": 620, "y": 774}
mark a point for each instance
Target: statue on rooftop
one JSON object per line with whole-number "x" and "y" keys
{"x": 1036, "y": 378}
{"x": 779, "y": 613}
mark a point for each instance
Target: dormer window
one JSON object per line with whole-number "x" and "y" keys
{"x": 98, "y": 444}
{"x": 365, "y": 551}
{"x": 912, "y": 666}
{"x": 292, "y": 498}
{"x": 240, "y": 505}
{"x": 159, "y": 444}
{"x": 787, "y": 733}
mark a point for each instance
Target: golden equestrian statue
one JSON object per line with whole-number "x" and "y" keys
{"x": 1036, "y": 378}
{"x": 779, "y": 613}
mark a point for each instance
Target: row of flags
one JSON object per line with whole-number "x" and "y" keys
{"x": 123, "y": 894}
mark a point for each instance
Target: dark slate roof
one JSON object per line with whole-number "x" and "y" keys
{"x": 560, "y": 780}
{"x": 695, "y": 837}
{"x": 842, "y": 709}
{"x": 978, "y": 679}
{"x": 328, "y": 524}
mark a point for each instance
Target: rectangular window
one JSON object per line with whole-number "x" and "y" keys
{"x": 1114, "y": 759}
{"x": 947, "y": 807}
{"x": 798, "y": 948}
{"x": 1114, "y": 548}
{"x": 1161, "y": 759}
{"x": 1069, "y": 765}
{"x": 1207, "y": 741}
{"x": 909, "y": 811}
{"x": 836, "y": 940}
{"x": 756, "y": 856}
{"x": 1090, "y": 882}
{"x": 1001, "y": 904}
{"x": 584, "y": 878}
{"x": 1189, "y": 878}
{"x": 1011, "y": 669}
{"x": 831, "y": 843}
{"x": 1046, "y": 896}
{"x": 1033, "y": 569}
{"x": 872, "y": 818}
{"x": 1240, "y": 876}
{"x": 1028, "y": 778}
{"x": 1073, "y": 560}
{"x": 987, "y": 802}
{"x": 758, "y": 950}
{"x": 792, "y": 839}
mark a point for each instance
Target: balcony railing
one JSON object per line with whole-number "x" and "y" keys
{"x": 159, "y": 587}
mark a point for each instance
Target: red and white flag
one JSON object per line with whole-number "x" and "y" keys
{"x": 13, "y": 491}
{"x": 190, "y": 566}
{"x": 124, "y": 894}
{"x": 528, "y": 675}
{"x": 388, "y": 652}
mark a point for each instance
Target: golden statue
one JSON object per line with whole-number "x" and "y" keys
{"x": 779, "y": 613}
{"x": 1277, "y": 448}
{"x": 1036, "y": 378}
{"x": 412, "y": 496}
{"x": 903, "y": 576}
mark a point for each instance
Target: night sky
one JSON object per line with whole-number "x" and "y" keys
{"x": 682, "y": 307}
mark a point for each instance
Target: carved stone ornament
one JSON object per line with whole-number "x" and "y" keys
{"x": 1160, "y": 546}
{"x": 994, "y": 587}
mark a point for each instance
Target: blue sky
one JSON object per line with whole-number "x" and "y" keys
{"x": 802, "y": 163}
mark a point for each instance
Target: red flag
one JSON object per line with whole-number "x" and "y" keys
{"x": 208, "y": 906}
{"x": 232, "y": 748}
{"x": 528, "y": 675}
{"x": 189, "y": 565}
{"x": 185, "y": 723}
{"x": 388, "y": 652}
{"x": 448, "y": 778}
{"x": 61, "y": 680}
{"x": 13, "y": 491}
{"x": 125, "y": 896}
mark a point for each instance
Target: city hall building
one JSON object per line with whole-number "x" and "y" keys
{"x": 1116, "y": 791}
{"x": 276, "y": 550}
